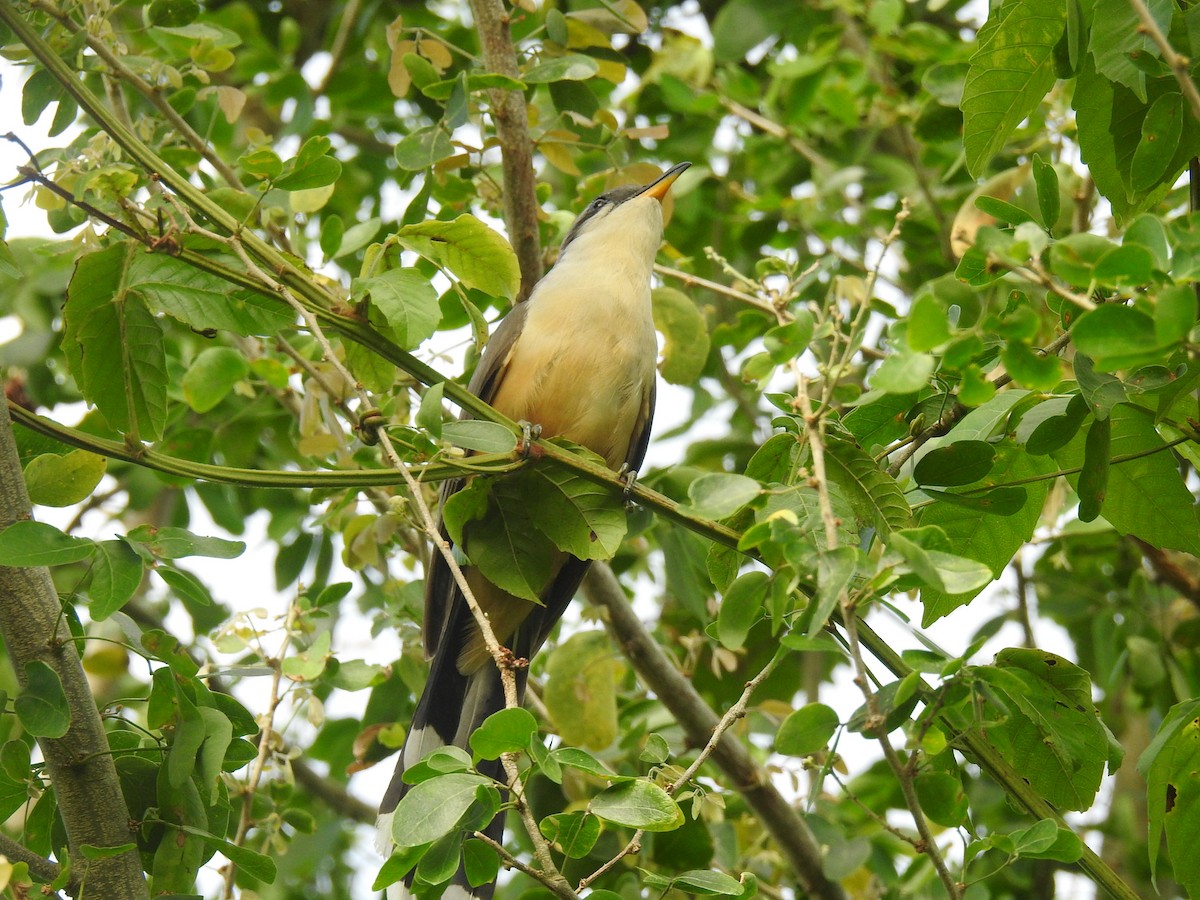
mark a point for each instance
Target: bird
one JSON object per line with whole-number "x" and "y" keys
{"x": 578, "y": 359}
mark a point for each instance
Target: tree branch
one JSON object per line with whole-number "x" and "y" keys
{"x": 512, "y": 127}
{"x": 39, "y": 867}
{"x": 79, "y": 764}
{"x": 797, "y": 843}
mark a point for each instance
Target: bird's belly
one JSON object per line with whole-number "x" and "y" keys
{"x": 589, "y": 383}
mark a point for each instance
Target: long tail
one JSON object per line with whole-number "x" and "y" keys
{"x": 451, "y": 707}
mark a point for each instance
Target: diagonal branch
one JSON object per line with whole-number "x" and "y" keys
{"x": 699, "y": 722}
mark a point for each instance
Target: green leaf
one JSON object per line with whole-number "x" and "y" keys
{"x": 717, "y": 495}
{"x": 1115, "y": 336}
{"x": 308, "y": 664}
{"x": 942, "y": 798}
{"x": 740, "y": 608}
{"x": 1093, "y": 478}
{"x": 807, "y": 730}
{"x": 975, "y": 534}
{"x": 263, "y": 162}
{"x": 217, "y": 737}
{"x": 474, "y": 253}
{"x": 874, "y": 494}
{"x": 836, "y": 568}
{"x": 399, "y": 864}
{"x": 42, "y": 707}
{"x": 1074, "y": 258}
{"x": 581, "y": 690}
{"x": 637, "y": 804}
{"x": 579, "y": 516}
{"x": 1000, "y": 501}
{"x": 1148, "y": 231}
{"x": 575, "y": 833}
{"x": 1146, "y": 496}
{"x": 1161, "y": 131}
{"x": 202, "y": 300}
{"x": 1003, "y": 211}
{"x": 116, "y": 574}
{"x": 1118, "y": 38}
{"x": 89, "y": 851}
{"x": 1169, "y": 765}
{"x": 497, "y": 531}
{"x": 685, "y": 335}
{"x": 432, "y": 808}
{"x": 440, "y": 862}
{"x": 572, "y": 67}
{"x": 741, "y": 25}
{"x": 1039, "y": 373}
{"x": 54, "y": 480}
{"x": 942, "y": 571}
{"x": 506, "y": 731}
{"x": 211, "y": 377}
{"x": 1099, "y": 392}
{"x": 311, "y": 167}
{"x": 169, "y": 542}
{"x": 903, "y": 373}
{"x": 184, "y": 585}
{"x": 483, "y": 437}
{"x": 114, "y": 345}
{"x": 1129, "y": 265}
{"x": 1046, "y": 179}
{"x": 423, "y": 148}
{"x": 405, "y": 301}
{"x": 39, "y": 544}
{"x": 787, "y": 342}
{"x": 1055, "y": 432}
{"x": 480, "y": 862}
{"x": 928, "y": 326}
{"x": 708, "y": 884}
{"x": 963, "y": 462}
{"x": 1009, "y": 75}
{"x": 429, "y": 413}
{"x": 1174, "y": 314}
{"x": 1051, "y": 731}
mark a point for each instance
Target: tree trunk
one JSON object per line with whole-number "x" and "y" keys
{"x": 79, "y": 764}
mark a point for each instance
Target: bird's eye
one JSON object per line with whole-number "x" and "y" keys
{"x": 598, "y": 203}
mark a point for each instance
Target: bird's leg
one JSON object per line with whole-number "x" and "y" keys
{"x": 529, "y": 433}
{"x": 627, "y": 476}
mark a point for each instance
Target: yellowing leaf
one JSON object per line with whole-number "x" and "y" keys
{"x": 437, "y": 53}
{"x": 399, "y": 79}
{"x": 560, "y": 157}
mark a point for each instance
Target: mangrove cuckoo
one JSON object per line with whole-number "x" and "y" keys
{"x": 578, "y": 359}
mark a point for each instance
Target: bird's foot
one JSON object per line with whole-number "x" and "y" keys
{"x": 627, "y": 477}
{"x": 529, "y": 433}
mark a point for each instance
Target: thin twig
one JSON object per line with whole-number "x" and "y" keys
{"x": 340, "y": 41}
{"x": 735, "y": 712}
{"x": 153, "y": 95}
{"x": 1179, "y": 64}
{"x": 716, "y": 287}
{"x": 265, "y": 741}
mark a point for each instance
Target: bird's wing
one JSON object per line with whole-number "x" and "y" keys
{"x": 641, "y": 429}
{"x": 440, "y": 589}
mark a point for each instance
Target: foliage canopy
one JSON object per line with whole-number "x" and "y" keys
{"x": 928, "y": 309}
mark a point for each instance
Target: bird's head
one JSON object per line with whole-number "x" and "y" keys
{"x": 627, "y": 217}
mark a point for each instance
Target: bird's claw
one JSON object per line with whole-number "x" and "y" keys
{"x": 529, "y": 433}
{"x": 628, "y": 477}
